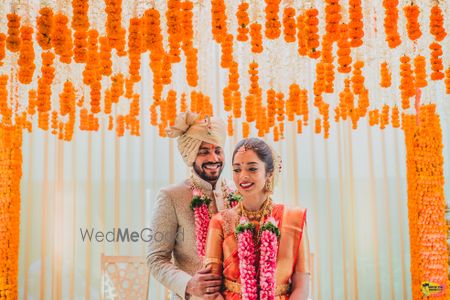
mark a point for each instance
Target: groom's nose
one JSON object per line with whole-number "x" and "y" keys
{"x": 213, "y": 157}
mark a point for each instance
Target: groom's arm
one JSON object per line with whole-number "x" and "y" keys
{"x": 159, "y": 254}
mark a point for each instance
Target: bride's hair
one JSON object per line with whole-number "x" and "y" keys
{"x": 262, "y": 150}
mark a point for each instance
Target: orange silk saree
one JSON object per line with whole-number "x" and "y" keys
{"x": 222, "y": 249}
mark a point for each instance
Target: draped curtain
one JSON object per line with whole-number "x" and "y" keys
{"x": 353, "y": 185}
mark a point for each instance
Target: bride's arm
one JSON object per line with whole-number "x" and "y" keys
{"x": 301, "y": 277}
{"x": 214, "y": 246}
{"x": 300, "y": 286}
{"x": 214, "y": 252}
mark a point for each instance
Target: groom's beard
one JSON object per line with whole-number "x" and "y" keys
{"x": 206, "y": 174}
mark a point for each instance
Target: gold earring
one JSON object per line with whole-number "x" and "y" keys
{"x": 268, "y": 186}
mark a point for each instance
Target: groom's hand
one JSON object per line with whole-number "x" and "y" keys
{"x": 204, "y": 283}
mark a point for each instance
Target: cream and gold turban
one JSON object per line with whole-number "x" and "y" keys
{"x": 192, "y": 131}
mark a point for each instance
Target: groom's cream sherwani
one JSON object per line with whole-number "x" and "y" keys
{"x": 172, "y": 255}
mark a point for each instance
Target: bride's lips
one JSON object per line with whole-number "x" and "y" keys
{"x": 246, "y": 185}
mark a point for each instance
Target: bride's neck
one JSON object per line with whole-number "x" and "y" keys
{"x": 254, "y": 203}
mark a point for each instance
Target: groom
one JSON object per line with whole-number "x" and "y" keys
{"x": 173, "y": 261}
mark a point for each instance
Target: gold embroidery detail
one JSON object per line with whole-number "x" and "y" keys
{"x": 233, "y": 286}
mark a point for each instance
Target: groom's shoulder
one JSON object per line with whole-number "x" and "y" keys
{"x": 177, "y": 189}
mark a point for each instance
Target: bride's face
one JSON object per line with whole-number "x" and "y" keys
{"x": 249, "y": 173}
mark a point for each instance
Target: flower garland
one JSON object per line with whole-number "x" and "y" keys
{"x": 420, "y": 71}
{"x": 289, "y": 24}
{"x": 437, "y": 23}
{"x": 256, "y": 37}
{"x": 218, "y": 20}
{"x": 80, "y": 24}
{"x": 11, "y": 170}
{"x": 302, "y": 38}
{"x": 245, "y": 130}
{"x": 271, "y": 107}
{"x": 230, "y": 125}
{"x": 272, "y": 24}
{"x": 356, "y": 25}
{"x": 248, "y": 239}
{"x": 247, "y": 259}
{"x": 45, "y": 26}
{"x": 384, "y": 117}
{"x": 174, "y": 17}
{"x": 344, "y": 51}
{"x": 26, "y": 57}
{"x": 200, "y": 206}
{"x": 406, "y": 81}
{"x": 391, "y": 23}
{"x": 267, "y": 263}
{"x": 13, "y": 40}
{"x": 171, "y": 107}
{"x": 395, "y": 117}
{"x": 426, "y": 199}
{"x": 243, "y": 21}
{"x": 261, "y": 122}
{"x": 61, "y": 38}
{"x": 332, "y": 18}
{"x": 412, "y": 21}
{"x": 385, "y": 75}
{"x": 135, "y": 49}
{"x": 447, "y": 81}
{"x": 226, "y": 58}
{"x": 114, "y": 30}
{"x": 311, "y": 32}
{"x": 276, "y": 134}
{"x": 2, "y": 47}
{"x": 436, "y": 61}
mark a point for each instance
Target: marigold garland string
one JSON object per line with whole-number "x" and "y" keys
{"x": 26, "y": 57}
{"x": 436, "y": 61}
{"x": 412, "y": 24}
{"x": 45, "y": 26}
{"x": 356, "y": 25}
{"x": 243, "y": 21}
{"x": 80, "y": 23}
{"x": 437, "y": 23}
{"x": 272, "y": 24}
{"x": 289, "y": 26}
{"x": 385, "y": 75}
{"x": 426, "y": 201}
{"x": 11, "y": 167}
{"x": 391, "y": 23}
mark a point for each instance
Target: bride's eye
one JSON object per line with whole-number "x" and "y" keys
{"x": 236, "y": 170}
{"x": 253, "y": 169}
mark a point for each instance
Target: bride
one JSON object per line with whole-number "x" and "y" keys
{"x": 259, "y": 247}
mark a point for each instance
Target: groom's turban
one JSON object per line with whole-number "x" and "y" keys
{"x": 192, "y": 131}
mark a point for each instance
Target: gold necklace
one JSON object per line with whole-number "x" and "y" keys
{"x": 259, "y": 215}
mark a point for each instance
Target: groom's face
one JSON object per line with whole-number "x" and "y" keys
{"x": 209, "y": 162}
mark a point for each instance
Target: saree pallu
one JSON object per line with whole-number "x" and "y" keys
{"x": 222, "y": 249}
